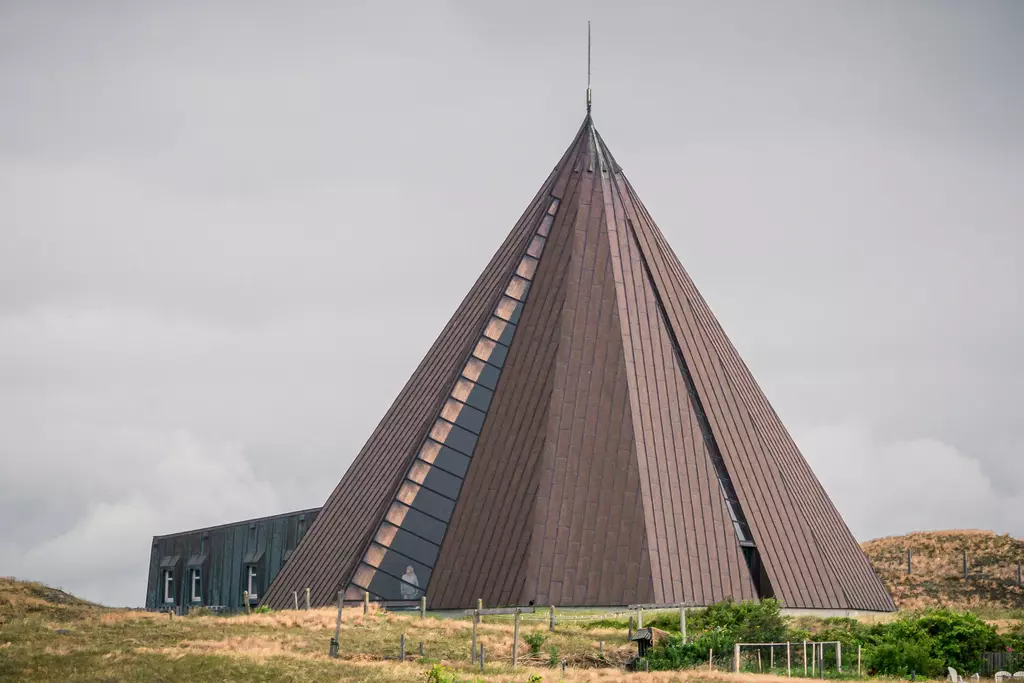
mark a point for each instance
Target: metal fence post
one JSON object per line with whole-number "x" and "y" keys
{"x": 736, "y": 658}
{"x": 551, "y": 619}
{"x": 401, "y": 648}
{"x": 423, "y": 607}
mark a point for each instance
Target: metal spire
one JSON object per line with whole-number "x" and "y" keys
{"x": 588, "y": 68}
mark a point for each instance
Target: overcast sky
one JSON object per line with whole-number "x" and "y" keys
{"x": 230, "y": 231}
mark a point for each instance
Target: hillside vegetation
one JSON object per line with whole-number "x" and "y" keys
{"x": 937, "y": 579}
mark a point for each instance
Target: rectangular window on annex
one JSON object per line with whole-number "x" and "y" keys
{"x": 168, "y": 582}
{"x": 196, "y": 582}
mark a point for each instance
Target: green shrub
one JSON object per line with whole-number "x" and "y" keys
{"x": 441, "y": 674}
{"x": 535, "y": 640}
{"x": 554, "y": 656}
{"x": 262, "y": 609}
{"x": 902, "y": 659}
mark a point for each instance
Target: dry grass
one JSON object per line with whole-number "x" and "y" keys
{"x": 937, "y": 569}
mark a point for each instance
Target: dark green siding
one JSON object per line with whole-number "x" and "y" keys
{"x": 222, "y": 554}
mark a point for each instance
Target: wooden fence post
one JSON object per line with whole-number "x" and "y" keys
{"x": 682, "y": 622}
{"x": 789, "y": 660}
{"x": 401, "y": 648}
{"x": 366, "y": 602}
{"x": 472, "y": 645}
{"x": 245, "y": 599}
{"x": 337, "y": 624}
{"x": 551, "y": 619}
{"x": 759, "y": 669}
{"x": 909, "y": 566}
{"x": 295, "y": 595}
{"x": 600, "y": 647}
{"x": 629, "y": 633}
{"x": 423, "y": 607}
{"x": 640, "y": 618}
{"x": 515, "y": 640}
{"x": 839, "y": 656}
{"x": 307, "y": 598}
{"x": 711, "y": 658}
{"x": 736, "y": 659}
{"x": 421, "y": 648}
{"x": 858, "y": 660}
{"x": 481, "y": 656}
{"x": 805, "y": 659}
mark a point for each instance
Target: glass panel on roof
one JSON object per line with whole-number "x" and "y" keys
{"x": 390, "y": 588}
{"x": 394, "y": 563}
{"x": 364, "y": 575}
{"x": 508, "y": 309}
{"x": 445, "y": 458}
{"x": 518, "y": 288}
{"x": 460, "y": 439}
{"x": 536, "y": 247}
{"x": 413, "y": 546}
{"x": 545, "y": 226}
{"x": 500, "y": 331}
{"x": 442, "y": 482}
{"x": 434, "y": 504}
{"x": 527, "y": 267}
{"x": 415, "y": 522}
{"x": 464, "y": 416}
{"x": 553, "y": 207}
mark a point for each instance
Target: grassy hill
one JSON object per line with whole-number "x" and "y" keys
{"x": 937, "y": 578}
{"x": 49, "y": 635}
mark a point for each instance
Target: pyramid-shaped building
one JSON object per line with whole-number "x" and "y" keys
{"x": 582, "y": 432}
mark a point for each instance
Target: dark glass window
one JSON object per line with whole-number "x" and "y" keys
{"x": 390, "y": 588}
{"x": 411, "y": 546}
{"x": 500, "y": 331}
{"x": 518, "y": 288}
{"x": 471, "y": 394}
{"x": 416, "y": 522}
{"x": 481, "y": 373}
{"x": 433, "y": 504}
{"x": 454, "y": 437}
{"x": 488, "y": 376}
{"x": 397, "y": 565}
{"x": 490, "y": 351}
{"x": 545, "y": 226}
{"x": 442, "y": 482}
{"x": 445, "y": 458}
{"x": 509, "y": 309}
{"x": 527, "y": 267}
{"x": 463, "y": 415}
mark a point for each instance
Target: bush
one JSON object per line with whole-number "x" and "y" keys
{"x": 262, "y": 609}
{"x": 535, "y": 640}
{"x": 901, "y": 659}
{"x": 675, "y": 654}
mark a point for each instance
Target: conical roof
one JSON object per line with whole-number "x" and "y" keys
{"x": 582, "y": 432}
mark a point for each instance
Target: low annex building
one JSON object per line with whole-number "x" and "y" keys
{"x": 581, "y": 433}
{"x": 219, "y": 566}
